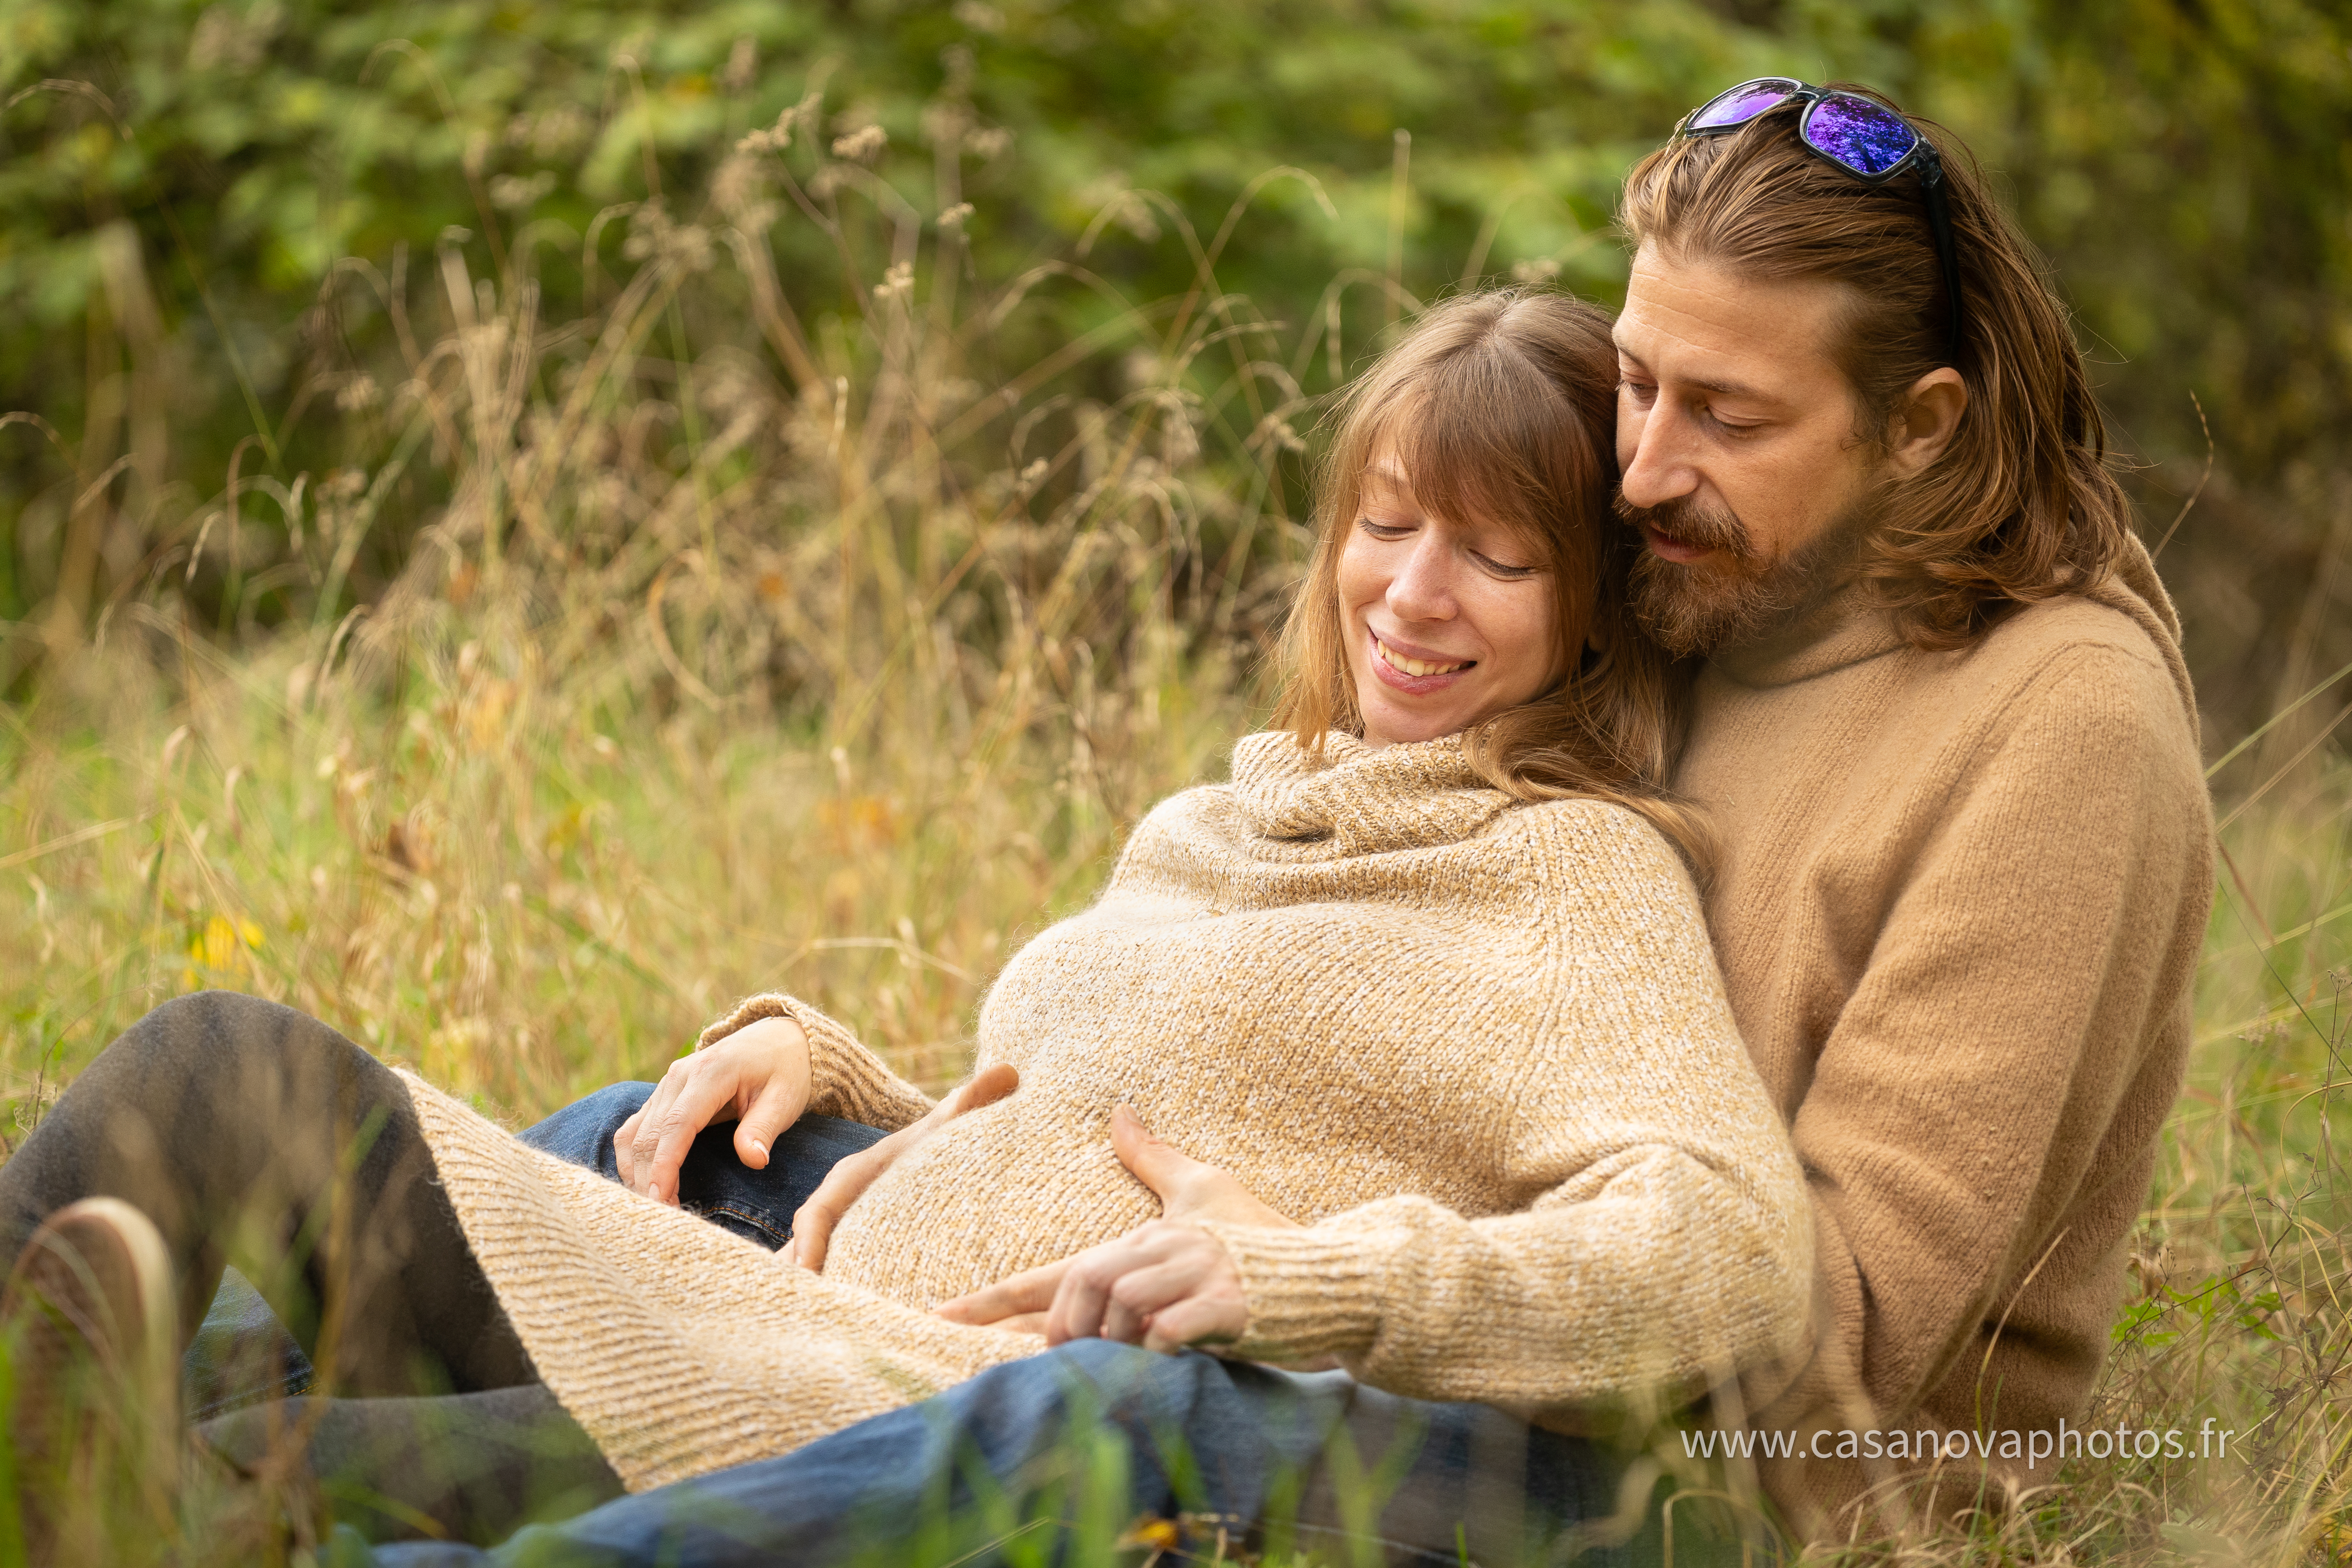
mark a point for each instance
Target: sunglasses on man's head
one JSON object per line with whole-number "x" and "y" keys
{"x": 1868, "y": 140}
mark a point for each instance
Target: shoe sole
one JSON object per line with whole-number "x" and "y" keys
{"x": 91, "y": 1313}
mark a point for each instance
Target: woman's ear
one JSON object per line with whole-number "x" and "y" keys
{"x": 1926, "y": 421}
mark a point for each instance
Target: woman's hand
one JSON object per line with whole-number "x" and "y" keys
{"x": 758, "y": 1074}
{"x": 1164, "y": 1285}
{"x": 843, "y": 1185}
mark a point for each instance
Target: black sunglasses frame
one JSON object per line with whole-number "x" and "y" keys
{"x": 1922, "y": 157}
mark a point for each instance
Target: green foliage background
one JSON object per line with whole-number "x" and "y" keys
{"x": 2186, "y": 164}
{"x": 716, "y": 641}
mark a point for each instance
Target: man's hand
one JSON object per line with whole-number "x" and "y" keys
{"x": 843, "y": 1185}
{"x": 758, "y": 1074}
{"x": 1164, "y": 1285}
{"x": 1188, "y": 1189}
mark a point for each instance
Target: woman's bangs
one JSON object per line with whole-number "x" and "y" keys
{"x": 1472, "y": 442}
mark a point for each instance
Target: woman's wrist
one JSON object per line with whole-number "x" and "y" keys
{"x": 748, "y": 1011}
{"x": 845, "y": 1078}
{"x": 780, "y": 1035}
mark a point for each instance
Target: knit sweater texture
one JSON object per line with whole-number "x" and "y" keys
{"x": 1958, "y": 906}
{"x": 1480, "y": 1049}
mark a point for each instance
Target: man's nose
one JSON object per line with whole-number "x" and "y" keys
{"x": 1660, "y": 469}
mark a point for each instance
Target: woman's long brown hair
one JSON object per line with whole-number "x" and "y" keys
{"x": 1501, "y": 405}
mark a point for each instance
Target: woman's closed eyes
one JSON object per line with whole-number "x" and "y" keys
{"x": 1499, "y": 569}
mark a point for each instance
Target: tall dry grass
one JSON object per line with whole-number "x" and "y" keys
{"x": 808, "y": 662}
{"x": 839, "y": 656}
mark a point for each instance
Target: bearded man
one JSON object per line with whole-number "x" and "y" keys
{"x": 1944, "y": 730}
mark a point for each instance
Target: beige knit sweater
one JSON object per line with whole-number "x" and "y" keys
{"x": 1959, "y": 907}
{"x": 1480, "y": 1048}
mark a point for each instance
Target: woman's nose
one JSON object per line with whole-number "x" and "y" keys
{"x": 1422, "y": 589}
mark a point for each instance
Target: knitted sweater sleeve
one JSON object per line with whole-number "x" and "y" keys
{"x": 1665, "y": 1242}
{"x": 845, "y": 1079}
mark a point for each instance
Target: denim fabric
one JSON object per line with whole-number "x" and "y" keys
{"x": 240, "y": 1353}
{"x": 1071, "y": 1447}
{"x": 714, "y": 1183}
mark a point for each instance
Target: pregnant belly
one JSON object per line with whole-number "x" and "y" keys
{"x": 983, "y": 1198}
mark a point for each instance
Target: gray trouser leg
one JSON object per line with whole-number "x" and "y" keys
{"x": 244, "y": 1128}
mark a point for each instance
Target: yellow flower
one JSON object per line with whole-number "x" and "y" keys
{"x": 222, "y": 945}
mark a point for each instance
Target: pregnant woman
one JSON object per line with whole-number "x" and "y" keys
{"x": 1426, "y": 982}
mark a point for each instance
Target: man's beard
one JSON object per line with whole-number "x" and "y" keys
{"x": 1737, "y": 596}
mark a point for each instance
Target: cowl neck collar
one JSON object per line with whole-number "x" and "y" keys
{"x": 1359, "y": 800}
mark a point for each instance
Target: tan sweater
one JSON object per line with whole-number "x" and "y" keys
{"x": 1958, "y": 909}
{"x": 1480, "y": 1048}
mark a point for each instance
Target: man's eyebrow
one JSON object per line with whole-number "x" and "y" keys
{"x": 1729, "y": 389}
{"x": 1720, "y": 388}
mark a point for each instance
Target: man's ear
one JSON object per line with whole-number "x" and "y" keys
{"x": 1926, "y": 419}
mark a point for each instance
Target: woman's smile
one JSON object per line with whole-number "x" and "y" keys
{"x": 1412, "y": 669}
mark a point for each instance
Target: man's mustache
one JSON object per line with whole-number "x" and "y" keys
{"x": 1685, "y": 520}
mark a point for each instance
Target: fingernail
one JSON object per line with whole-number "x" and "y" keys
{"x": 759, "y": 1148}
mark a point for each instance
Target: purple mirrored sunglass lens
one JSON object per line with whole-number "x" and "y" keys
{"x": 1741, "y": 104}
{"x": 1859, "y": 135}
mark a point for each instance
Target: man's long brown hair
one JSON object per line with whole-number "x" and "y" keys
{"x": 1500, "y": 405}
{"x": 2020, "y": 505}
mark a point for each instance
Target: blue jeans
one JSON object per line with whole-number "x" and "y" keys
{"x": 1053, "y": 1458}
{"x": 713, "y": 1183}
{"x": 1067, "y": 1447}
